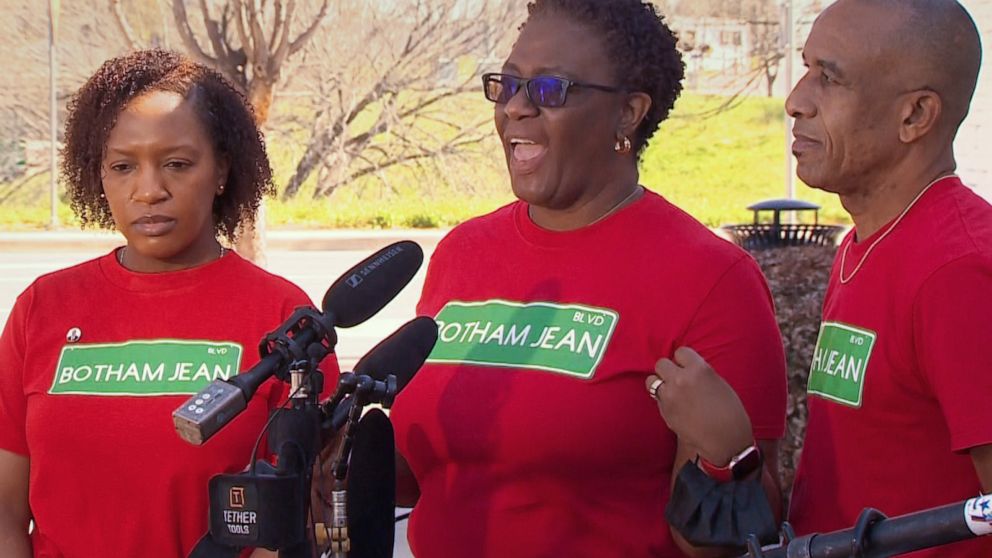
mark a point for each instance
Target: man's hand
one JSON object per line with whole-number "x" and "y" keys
{"x": 700, "y": 407}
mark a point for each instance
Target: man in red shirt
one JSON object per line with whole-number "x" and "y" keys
{"x": 899, "y": 380}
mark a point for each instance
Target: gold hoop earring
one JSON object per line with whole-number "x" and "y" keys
{"x": 622, "y": 146}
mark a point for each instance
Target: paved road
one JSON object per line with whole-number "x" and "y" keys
{"x": 313, "y": 271}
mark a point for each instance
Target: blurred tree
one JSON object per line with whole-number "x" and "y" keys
{"x": 83, "y": 43}
{"x": 387, "y": 81}
{"x": 764, "y": 20}
{"x": 250, "y": 43}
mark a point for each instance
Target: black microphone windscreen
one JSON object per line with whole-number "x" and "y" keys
{"x": 367, "y": 287}
{"x": 402, "y": 353}
{"x": 372, "y": 488}
{"x": 207, "y": 547}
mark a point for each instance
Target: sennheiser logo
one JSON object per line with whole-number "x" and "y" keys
{"x": 354, "y": 280}
{"x": 237, "y": 497}
{"x": 375, "y": 264}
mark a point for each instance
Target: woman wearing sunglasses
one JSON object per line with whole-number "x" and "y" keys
{"x": 528, "y": 433}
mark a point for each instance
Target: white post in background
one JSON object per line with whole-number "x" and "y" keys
{"x": 53, "y": 119}
{"x": 789, "y": 38}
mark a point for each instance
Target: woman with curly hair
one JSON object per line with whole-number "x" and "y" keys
{"x": 528, "y": 433}
{"x": 96, "y": 357}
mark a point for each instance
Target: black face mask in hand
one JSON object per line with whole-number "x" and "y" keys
{"x": 710, "y": 513}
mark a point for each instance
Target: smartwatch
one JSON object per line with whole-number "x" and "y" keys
{"x": 740, "y": 466}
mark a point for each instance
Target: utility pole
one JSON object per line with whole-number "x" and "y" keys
{"x": 53, "y": 109}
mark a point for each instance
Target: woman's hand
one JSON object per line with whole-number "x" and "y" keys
{"x": 700, "y": 407}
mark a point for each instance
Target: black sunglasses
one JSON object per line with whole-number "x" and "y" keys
{"x": 542, "y": 91}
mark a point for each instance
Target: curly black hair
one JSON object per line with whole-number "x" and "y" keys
{"x": 640, "y": 45}
{"x": 224, "y": 111}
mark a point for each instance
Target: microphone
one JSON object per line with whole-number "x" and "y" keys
{"x": 356, "y": 295}
{"x": 371, "y": 492}
{"x": 353, "y": 298}
{"x": 378, "y": 377}
{"x": 401, "y": 355}
{"x": 267, "y": 507}
{"x": 362, "y": 516}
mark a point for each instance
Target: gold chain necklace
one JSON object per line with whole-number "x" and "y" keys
{"x": 847, "y": 247}
{"x": 637, "y": 190}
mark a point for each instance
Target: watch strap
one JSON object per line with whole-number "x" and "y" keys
{"x": 740, "y": 466}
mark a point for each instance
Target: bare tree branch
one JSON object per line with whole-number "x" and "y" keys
{"x": 281, "y": 49}
{"x": 123, "y": 26}
{"x": 305, "y": 37}
{"x": 380, "y": 166}
{"x": 256, "y": 43}
{"x": 423, "y": 61}
{"x": 216, "y": 36}
{"x": 277, "y": 24}
{"x": 189, "y": 40}
{"x": 239, "y": 21}
{"x": 20, "y": 183}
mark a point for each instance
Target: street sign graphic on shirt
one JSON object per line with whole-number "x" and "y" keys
{"x": 147, "y": 367}
{"x": 564, "y": 338}
{"x": 840, "y": 362}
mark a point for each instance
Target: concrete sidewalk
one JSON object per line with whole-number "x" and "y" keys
{"x": 278, "y": 239}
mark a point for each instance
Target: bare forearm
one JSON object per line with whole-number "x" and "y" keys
{"x": 14, "y": 539}
{"x": 15, "y": 512}
{"x": 770, "y": 477}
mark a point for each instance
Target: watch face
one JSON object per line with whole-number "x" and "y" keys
{"x": 746, "y": 463}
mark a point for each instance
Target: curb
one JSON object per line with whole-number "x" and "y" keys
{"x": 302, "y": 240}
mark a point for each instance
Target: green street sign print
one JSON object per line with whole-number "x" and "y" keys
{"x": 568, "y": 339}
{"x": 840, "y": 363}
{"x": 144, "y": 368}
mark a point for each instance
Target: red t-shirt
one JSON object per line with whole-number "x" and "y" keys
{"x": 95, "y": 360}
{"x": 900, "y": 377}
{"x": 529, "y": 430}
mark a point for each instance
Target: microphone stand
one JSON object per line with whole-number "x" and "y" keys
{"x": 298, "y": 443}
{"x": 364, "y": 390}
{"x": 876, "y": 536}
{"x": 271, "y": 507}
{"x": 294, "y": 438}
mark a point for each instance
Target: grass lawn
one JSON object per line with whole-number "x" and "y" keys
{"x": 715, "y": 167}
{"x": 711, "y": 166}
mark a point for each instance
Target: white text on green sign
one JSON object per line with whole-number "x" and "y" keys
{"x": 566, "y": 338}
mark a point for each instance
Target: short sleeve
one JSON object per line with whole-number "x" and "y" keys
{"x": 13, "y": 403}
{"x": 952, "y": 330}
{"x": 437, "y": 270}
{"x": 735, "y": 331}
